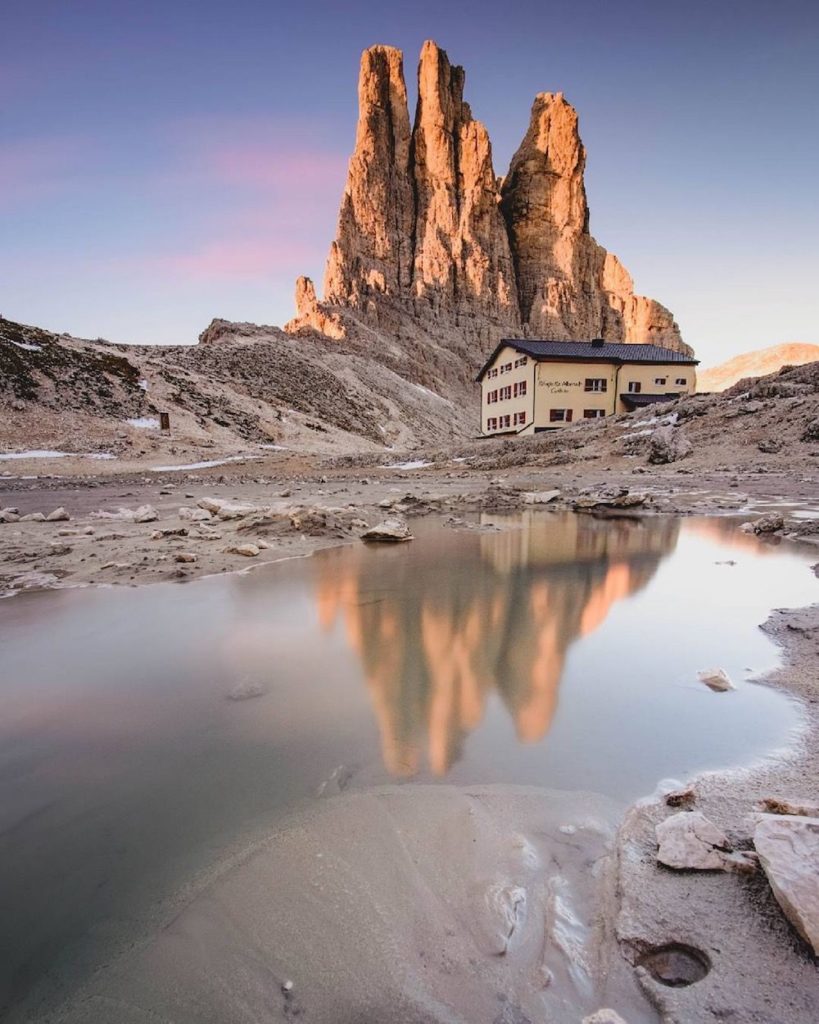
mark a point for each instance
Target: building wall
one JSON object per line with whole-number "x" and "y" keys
{"x": 646, "y": 376}
{"x": 559, "y": 389}
{"x": 562, "y": 386}
{"x": 498, "y": 378}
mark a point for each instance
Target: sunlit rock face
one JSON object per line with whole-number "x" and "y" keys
{"x": 568, "y": 285}
{"x": 428, "y": 240}
{"x": 436, "y": 645}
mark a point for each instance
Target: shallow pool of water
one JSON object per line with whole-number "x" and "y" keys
{"x": 554, "y": 650}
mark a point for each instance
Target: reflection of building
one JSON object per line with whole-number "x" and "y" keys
{"x": 440, "y": 628}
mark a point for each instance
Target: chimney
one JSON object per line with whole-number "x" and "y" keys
{"x": 598, "y": 342}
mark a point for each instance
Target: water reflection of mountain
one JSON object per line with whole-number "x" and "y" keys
{"x": 441, "y": 626}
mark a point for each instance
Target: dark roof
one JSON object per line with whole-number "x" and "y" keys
{"x": 641, "y": 399}
{"x": 608, "y": 352}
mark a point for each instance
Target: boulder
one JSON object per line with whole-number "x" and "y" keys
{"x": 716, "y": 679}
{"x": 690, "y": 841}
{"x": 194, "y": 515}
{"x": 146, "y": 514}
{"x": 391, "y": 530}
{"x": 185, "y": 556}
{"x": 8, "y": 515}
{"x": 33, "y": 517}
{"x": 788, "y": 849}
{"x": 227, "y": 509}
{"x": 668, "y": 444}
{"x": 246, "y": 550}
{"x": 811, "y": 431}
{"x": 59, "y": 515}
{"x": 779, "y": 805}
{"x": 539, "y": 497}
{"x": 246, "y": 690}
{"x": 769, "y": 523}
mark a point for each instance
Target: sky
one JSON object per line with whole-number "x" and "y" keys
{"x": 164, "y": 163}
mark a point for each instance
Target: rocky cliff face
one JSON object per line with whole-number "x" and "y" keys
{"x": 428, "y": 240}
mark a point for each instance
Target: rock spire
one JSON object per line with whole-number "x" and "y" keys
{"x": 426, "y": 230}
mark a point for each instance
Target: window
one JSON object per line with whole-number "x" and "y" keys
{"x": 492, "y": 423}
{"x": 662, "y": 381}
{"x": 505, "y": 421}
{"x": 506, "y": 392}
{"x": 596, "y": 384}
{"x": 681, "y": 380}
{"x": 634, "y": 387}
{"x": 522, "y": 361}
{"x": 594, "y": 414}
{"x": 519, "y": 418}
{"x": 491, "y": 397}
{"x": 519, "y": 389}
{"x": 493, "y": 372}
{"x": 560, "y": 415}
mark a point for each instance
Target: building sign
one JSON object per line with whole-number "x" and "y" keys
{"x": 560, "y": 387}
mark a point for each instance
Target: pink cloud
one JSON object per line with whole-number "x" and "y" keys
{"x": 238, "y": 257}
{"x": 273, "y": 167}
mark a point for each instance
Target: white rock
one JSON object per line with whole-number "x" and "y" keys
{"x": 146, "y": 514}
{"x": 227, "y": 509}
{"x": 788, "y": 849}
{"x": 248, "y": 550}
{"x": 716, "y": 679}
{"x": 194, "y": 515}
{"x": 246, "y": 689}
{"x": 391, "y": 530}
{"x": 604, "y": 1016}
{"x": 539, "y": 497}
{"x": 59, "y": 515}
{"x": 186, "y": 556}
{"x": 33, "y": 517}
{"x": 688, "y": 840}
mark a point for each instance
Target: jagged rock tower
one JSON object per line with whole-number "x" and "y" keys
{"x": 430, "y": 241}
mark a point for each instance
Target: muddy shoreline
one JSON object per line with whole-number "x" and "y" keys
{"x": 760, "y": 970}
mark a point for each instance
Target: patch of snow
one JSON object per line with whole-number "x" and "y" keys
{"x": 274, "y": 447}
{"x": 27, "y": 346}
{"x": 204, "y": 465}
{"x": 432, "y": 394}
{"x": 636, "y": 433}
{"x": 41, "y": 453}
{"x": 416, "y": 464}
{"x": 144, "y": 422}
{"x": 651, "y": 421}
{"x": 143, "y": 384}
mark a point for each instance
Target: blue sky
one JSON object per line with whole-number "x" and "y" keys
{"x": 165, "y": 163}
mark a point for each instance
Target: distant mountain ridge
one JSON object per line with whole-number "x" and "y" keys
{"x": 758, "y": 363}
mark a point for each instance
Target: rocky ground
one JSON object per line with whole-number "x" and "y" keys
{"x": 137, "y": 519}
{"x": 751, "y": 453}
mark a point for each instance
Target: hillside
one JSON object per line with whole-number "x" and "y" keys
{"x": 242, "y": 386}
{"x": 756, "y": 364}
